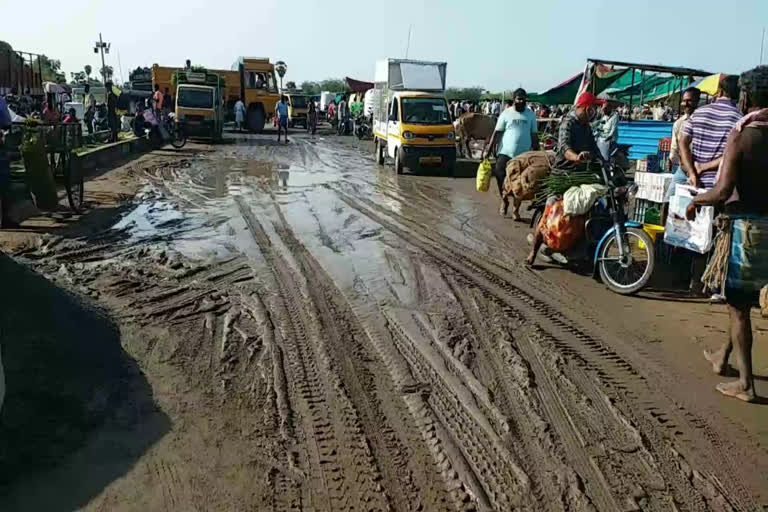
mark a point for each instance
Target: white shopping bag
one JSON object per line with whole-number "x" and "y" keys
{"x": 695, "y": 235}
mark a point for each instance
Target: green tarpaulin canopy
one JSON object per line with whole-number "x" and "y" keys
{"x": 565, "y": 93}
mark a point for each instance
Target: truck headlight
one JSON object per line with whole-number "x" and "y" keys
{"x": 409, "y": 135}
{"x": 451, "y": 135}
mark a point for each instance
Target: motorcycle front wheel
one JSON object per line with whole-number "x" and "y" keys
{"x": 632, "y": 273}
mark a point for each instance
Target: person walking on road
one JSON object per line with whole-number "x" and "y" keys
{"x": 281, "y": 110}
{"x": 741, "y": 184}
{"x": 239, "y": 114}
{"x": 89, "y": 103}
{"x": 517, "y": 131}
{"x": 312, "y": 117}
{"x": 112, "y": 112}
{"x": 342, "y": 113}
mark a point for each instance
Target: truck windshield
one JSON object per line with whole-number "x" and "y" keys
{"x": 425, "y": 111}
{"x": 299, "y": 101}
{"x": 195, "y": 98}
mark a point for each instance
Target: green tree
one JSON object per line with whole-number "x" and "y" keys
{"x": 464, "y": 93}
{"x": 333, "y": 85}
{"x": 310, "y": 87}
{"x": 51, "y": 69}
{"x": 88, "y": 70}
{"x": 290, "y": 85}
{"x": 78, "y": 77}
{"x": 107, "y": 72}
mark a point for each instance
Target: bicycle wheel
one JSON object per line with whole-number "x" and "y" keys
{"x": 74, "y": 185}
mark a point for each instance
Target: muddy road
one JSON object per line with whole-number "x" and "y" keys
{"x": 325, "y": 335}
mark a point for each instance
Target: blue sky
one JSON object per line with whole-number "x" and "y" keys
{"x": 499, "y": 44}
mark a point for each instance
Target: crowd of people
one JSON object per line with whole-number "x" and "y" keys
{"x": 720, "y": 149}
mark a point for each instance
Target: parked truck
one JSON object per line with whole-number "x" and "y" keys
{"x": 298, "y": 107}
{"x": 251, "y": 79}
{"x": 411, "y": 123}
{"x": 200, "y": 98}
{"x": 258, "y": 90}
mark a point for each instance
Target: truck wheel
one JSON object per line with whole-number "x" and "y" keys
{"x": 379, "y": 149}
{"x": 398, "y": 162}
{"x": 256, "y": 119}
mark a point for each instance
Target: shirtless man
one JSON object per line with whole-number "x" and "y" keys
{"x": 742, "y": 184}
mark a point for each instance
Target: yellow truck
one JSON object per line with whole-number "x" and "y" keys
{"x": 411, "y": 123}
{"x": 298, "y": 108}
{"x": 251, "y": 79}
{"x": 200, "y": 107}
{"x": 258, "y": 90}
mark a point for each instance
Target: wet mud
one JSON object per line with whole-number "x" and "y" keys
{"x": 362, "y": 346}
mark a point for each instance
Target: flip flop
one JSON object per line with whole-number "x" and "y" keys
{"x": 746, "y": 396}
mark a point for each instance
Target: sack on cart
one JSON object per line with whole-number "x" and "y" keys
{"x": 695, "y": 235}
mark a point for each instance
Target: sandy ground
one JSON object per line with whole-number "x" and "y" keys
{"x": 254, "y": 326}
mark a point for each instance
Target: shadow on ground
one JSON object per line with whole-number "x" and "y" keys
{"x": 78, "y": 411}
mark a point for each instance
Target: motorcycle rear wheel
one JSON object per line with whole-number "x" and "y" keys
{"x": 626, "y": 278}
{"x": 178, "y": 138}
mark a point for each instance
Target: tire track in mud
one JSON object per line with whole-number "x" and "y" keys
{"x": 365, "y": 448}
{"x": 613, "y": 371}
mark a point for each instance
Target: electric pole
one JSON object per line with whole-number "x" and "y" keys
{"x": 103, "y": 48}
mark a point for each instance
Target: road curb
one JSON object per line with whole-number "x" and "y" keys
{"x": 108, "y": 154}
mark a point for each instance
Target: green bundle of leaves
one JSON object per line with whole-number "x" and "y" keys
{"x": 558, "y": 184}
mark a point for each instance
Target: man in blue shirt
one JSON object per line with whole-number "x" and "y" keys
{"x": 281, "y": 111}
{"x": 517, "y": 131}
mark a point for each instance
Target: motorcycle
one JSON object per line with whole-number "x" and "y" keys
{"x": 622, "y": 253}
{"x": 160, "y": 131}
{"x": 362, "y": 127}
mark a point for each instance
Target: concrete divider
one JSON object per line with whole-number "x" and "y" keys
{"x": 108, "y": 154}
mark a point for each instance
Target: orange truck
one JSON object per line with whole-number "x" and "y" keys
{"x": 251, "y": 79}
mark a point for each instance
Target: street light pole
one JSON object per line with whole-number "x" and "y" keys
{"x": 100, "y": 47}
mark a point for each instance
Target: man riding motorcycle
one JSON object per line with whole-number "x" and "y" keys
{"x": 575, "y": 148}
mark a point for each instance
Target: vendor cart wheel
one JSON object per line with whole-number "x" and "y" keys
{"x": 73, "y": 183}
{"x": 379, "y": 149}
{"x": 398, "y": 162}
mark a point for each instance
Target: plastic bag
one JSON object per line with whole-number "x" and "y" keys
{"x": 484, "y": 175}
{"x": 561, "y": 231}
{"x": 695, "y": 235}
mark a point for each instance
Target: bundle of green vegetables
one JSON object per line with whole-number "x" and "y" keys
{"x": 558, "y": 184}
